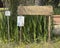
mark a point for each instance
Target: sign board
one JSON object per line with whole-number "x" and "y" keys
{"x": 35, "y": 10}
{"x": 56, "y": 19}
{"x": 20, "y": 21}
{"x": 7, "y": 13}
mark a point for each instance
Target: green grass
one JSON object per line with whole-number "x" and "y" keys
{"x": 31, "y": 45}
{"x": 42, "y": 45}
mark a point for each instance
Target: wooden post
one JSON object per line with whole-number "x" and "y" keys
{"x": 8, "y": 29}
{"x": 49, "y": 29}
{"x": 20, "y": 34}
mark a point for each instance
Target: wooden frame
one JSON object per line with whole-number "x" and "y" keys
{"x": 37, "y": 10}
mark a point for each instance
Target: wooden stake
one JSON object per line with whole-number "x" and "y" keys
{"x": 8, "y": 29}
{"x": 49, "y": 28}
{"x": 20, "y": 34}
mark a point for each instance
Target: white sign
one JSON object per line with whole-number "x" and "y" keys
{"x": 20, "y": 21}
{"x": 7, "y": 13}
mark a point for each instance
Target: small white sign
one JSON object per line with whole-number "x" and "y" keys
{"x": 20, "y": 21}
{"x": 7, "y": 13}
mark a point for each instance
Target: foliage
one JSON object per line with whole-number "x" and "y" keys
{"x": 35, "y": 29}
{"x": 57, "y": 10}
